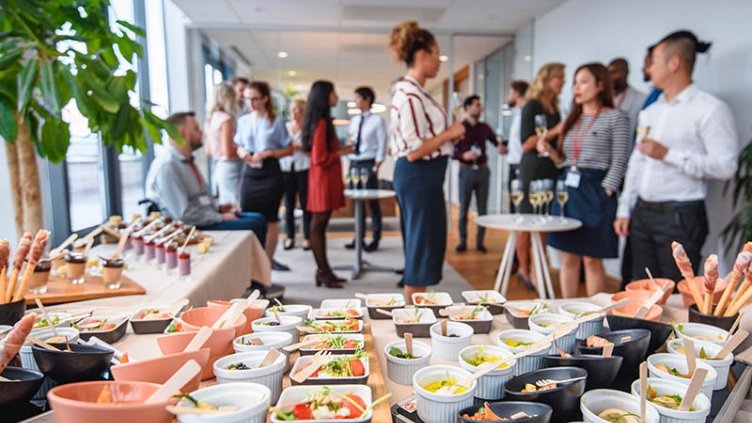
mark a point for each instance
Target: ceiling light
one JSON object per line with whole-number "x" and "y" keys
{"x": 527, "y": 58}
{"x": 292, "y": 74}
{"x": 443, "y": 58}
{"x": 353, "y": 111}
{"x": 282, "y": 54}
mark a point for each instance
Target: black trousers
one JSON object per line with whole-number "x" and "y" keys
{"x": 373, "y": 205}
{"x": 654, "y": 226}
{"x": 473, "y": 181}
{"x": 296, "y": 184}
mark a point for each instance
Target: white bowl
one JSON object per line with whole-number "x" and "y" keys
{"x": 321, "y": 313}
{"x": 298, "y": 310}
{"x": 483, "y": 316}
{"x": 566, "y": 342}
{"x": 336, "y": 322}
{"x": 721, "y": 366}
{"x": 252, "y": 400}
{"x": 701, "y": 332}
{"x": 439, "y": 407}
{"x": 701, "y": 405}
{"x": 358, "y": 337}
{"x": 269, "y": 376}
{"x": 447, "y": 347}
{"x": 277, "y": 340}
{"x": 289, "y": 324}
{"x": 419, "y": 329}
{"x": 575, "y": 310}
{"x": 380, "y": 300}
{"x": 528, "y": 306}
{"x": 442, "y": 299}
{"x": 65, "y": 318}
{"x": 304, "y": 361}
{"x": 477, "y": 297}
{"x": 680, "y": 363}
{"x": 594, "y": 402}
{"x": 401, "y": 370}
{"x": 490, "y": 386}
{"x": 296, "y": 394}
{"x": 27, "y": 357}
{"x": 344, "y": 303}
{"x": 528, "y": 363}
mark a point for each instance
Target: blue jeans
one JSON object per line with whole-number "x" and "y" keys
{"x": 246, "y": 221}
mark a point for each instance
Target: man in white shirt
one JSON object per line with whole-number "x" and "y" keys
{"x": 368, "y": 133}
{"x": 692, "y": 139}
{"x": 516, "y": 100}
{"x": 625, "y": 97}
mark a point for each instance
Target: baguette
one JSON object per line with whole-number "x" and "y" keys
{"x": 37, "y": 250}
{"x": 711, "y": 278}
{"x": 685, "y": 267}
{"x": 743, "y": 259}
{"x": 24, "y": 245}
{"x": 745, "y": 286}
{"x": 15, "y": 339}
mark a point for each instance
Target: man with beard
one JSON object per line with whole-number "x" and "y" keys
{"x": 474, "y": 173}
{"x": 625, "y": 97}
{"x": 175, "y": 183}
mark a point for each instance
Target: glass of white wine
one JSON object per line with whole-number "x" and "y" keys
{"x": 533, "y": 195}
{"x": 541, "y": 129}
{"x": 562, "y": 196}
{"x": 549, "y": 185}
{"x": 364, "y": 174}
{"x": 354, "y": 178}
{"x": 517, "y": 196}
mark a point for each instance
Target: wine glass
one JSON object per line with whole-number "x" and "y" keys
{"x": 549, "y": 184}
{"x": 541, "y": 129}
{"x": 364, "y": 175}
{"x": 533, "y": 195}
{"x": 355, "y": 177}
{"x": 643, "y": 127}
{"x": 562, "y": 196}
{"x": 517, "y": 196}
{"x": 475, "y": 149}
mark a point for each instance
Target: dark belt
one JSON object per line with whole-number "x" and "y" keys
{"x": 364, "y": 161}
{"x": 668, "y": 206}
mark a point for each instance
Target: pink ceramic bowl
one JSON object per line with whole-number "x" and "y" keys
{"x": 219, "y": 345}
{"x": 700, "y": 283}
{"x": 194, "y": 318}
{"x": 77, "y": 403}
{"x": 251, "y": 313}
{"x": 646, "y": 285}
{"x": 629, "y": 310}
{"x": 159, "y": 369}
{"x": 637, "y": 297}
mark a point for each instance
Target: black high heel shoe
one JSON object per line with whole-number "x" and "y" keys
{"x": 327, "y": 279}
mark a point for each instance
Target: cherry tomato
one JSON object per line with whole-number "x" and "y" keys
{"x": 352, "y": 312}
{"x": 350, "y": 344}
{"x": 357, "y": 368}
{"x": 354, "y": 412}
{"x": 302, "y": 412}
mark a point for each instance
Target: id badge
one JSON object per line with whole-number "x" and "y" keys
{"x": 204, "y": 200}
{"x": 573, "y": 179}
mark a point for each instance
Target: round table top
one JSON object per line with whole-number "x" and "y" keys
{"x": 528, "y": 222}
{"x": 369, "y": 194}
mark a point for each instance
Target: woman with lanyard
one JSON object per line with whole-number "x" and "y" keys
{"x": 262, "y": 140}
{"x": 594, "y": 155}
{"x": 422, "y": 143}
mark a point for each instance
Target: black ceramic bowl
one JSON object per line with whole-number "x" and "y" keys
{"x": 84, "y": 363}
{"x": 540, "y": 413}
{"x": 722, "y": 322}
{"x": 150, "y": 326}
{"x": 633, "y": 349}
{"x": 564, "y": 399}
{"x": 12, "y": 312}
{"x": 601, "y": 371}
{"x": 517, "y": 322}
{"x": 659, "y": 332}
{"x": 25, "y": 383}
{"x": 109, "y": 336}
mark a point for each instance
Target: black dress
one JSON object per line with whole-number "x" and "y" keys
{"x": 533, "y": 167}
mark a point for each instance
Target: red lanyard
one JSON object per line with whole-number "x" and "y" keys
{"x": 579, "y": 138}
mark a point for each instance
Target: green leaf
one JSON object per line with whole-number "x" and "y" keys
{"x": 25, "y": 83}
{"x": 99, "y": 94}
{"x": 55, "y": 140}
{"x": 136, "y": 29}
{"x": 49, "y": 86}
{"x": 8, "y": 124}
{"x": 8, "y": 59}
{"x": 122, "y": 122}
{"x": 71, "y": 82}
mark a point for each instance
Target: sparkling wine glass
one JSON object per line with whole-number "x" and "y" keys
{"x": 364, "y": 175}
{"x": 541, "y": 129}
{"x": 517, "y": 196}
{"x": 562, "y": 196}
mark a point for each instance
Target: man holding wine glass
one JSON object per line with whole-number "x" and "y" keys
{"x": 687, "y": 138}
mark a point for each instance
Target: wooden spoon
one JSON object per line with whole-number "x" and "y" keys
{"x": 384, "y": 312}
{"x": 608, "y": 350}
{"x": 269, "y": 358}
{"x": 46, "y": 316}
{"x": 657, "y": 295}
{"x": 230, "y": 316}
{"x": 443, "y": 328}
{"x": 694, "y": 387}
{"x": 121, "y": 245}
{"x": 732, "y": 343}
{"x": 199, "y": 339}
{"x": 189, "y": 370}
{"x": 689, "y": 353}
{"x": 409, "y": 343}
{"x": 643, "y": 390}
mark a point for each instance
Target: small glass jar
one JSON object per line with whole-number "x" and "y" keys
{"x": 138, "y": 244}
{"x": 112, "y": 272}
{"x": 171, "y": 255}
{"x": 184, "y": 263}
{"x": 149, "y": 250}
{"x": 75, "y": 267}
{"x": 40, "y": 277}
{"x": 159, "y": 251}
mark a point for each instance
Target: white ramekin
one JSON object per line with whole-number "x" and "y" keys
{"x": 701, "y": 332}
{"x": 701, "y": 404}
{"x": 594, "y": 402}
{"x": 721, "y": 366}
{"x": 252, "y": 400}
{"x": 592, "y": 327}
{"x": 679, "y": 362}
{"x": 448, "y": 348}
{"x": 277, "y": 340}
{"x": 299, "y": 310}
{"x": 441, "y": 408}
{"x": 401, "y": 370}
{"x": 566, "y": 342}
{"x": 490, "y": 386}
{"x": 269, "y": 376}
{"x": 289, "y": 324}
{"x": 528, "y": 363}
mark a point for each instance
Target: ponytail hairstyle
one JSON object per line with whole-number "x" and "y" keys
{"x": 408, "y": 38}
{"x": 318, "y": 108}
{"x": 605, "y": 96}
{"x": 686, "y": 45}
{"x": 265, "y": 91}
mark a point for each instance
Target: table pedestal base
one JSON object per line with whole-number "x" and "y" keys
{"x": 540, "y": 265}
{"x": 361, "y": 265}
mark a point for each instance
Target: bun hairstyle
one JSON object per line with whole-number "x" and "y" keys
{"x": 686, "y": 45}
{"x": 408, "y": 38}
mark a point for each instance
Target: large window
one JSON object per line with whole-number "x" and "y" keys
{"x": 86, "y": 194}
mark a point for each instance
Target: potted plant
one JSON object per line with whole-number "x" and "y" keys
{"x": 739, "y": 229}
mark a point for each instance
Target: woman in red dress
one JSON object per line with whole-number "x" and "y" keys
{"x": 325, "y": 187}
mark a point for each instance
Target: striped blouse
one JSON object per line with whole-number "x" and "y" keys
{"x": 415, "y": 116}
{"x": 606, "y": 146}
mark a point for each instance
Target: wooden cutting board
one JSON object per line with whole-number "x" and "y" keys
{"x": 60, "y": 291}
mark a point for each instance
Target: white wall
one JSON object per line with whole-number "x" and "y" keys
{"x": 579, "y": 31}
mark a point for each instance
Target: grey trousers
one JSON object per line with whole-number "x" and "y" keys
{"x": 473, "y": 181}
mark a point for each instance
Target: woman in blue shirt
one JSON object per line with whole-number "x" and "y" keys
{"x": 262, "y": 140}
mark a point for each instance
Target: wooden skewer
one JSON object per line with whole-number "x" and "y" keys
{"x": 42, "y": 344}
{"x": 121, "y": 245}
{"x": 46, "y": 316}
{"x": 608, "y": 350}
{"x": 174, "y": 409}
{"x": 65, "y": 243}
{"x": 737, "y": 272}
{"x": 735, "y": 325}
{"x": 88, "y": 246}
{"x": 187, "y": 240}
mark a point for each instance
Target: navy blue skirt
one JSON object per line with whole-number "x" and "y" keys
{"x": 420, "y": 192}
{"x": 589, "y": 204}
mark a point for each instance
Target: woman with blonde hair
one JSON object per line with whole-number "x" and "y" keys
{"x": 295, "y": 174}
{"x": 542, "y": 104}
{"x": 221, "y": 148}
